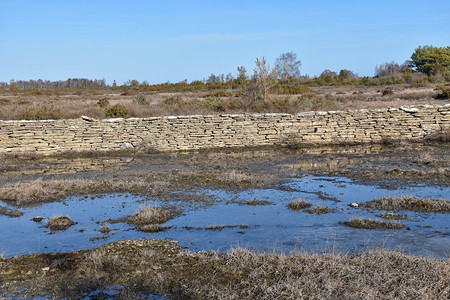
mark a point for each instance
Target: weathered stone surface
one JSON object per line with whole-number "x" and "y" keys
{"x": 198, "y": 132}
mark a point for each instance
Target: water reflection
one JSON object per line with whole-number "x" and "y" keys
{"x": 267, "y": 228}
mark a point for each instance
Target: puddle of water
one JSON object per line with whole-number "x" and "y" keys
{"x": 267, "y": 228}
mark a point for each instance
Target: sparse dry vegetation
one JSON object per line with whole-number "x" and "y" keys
{"x": 149, "y": 214}
{"x": 391, "y": 216}
{"x": 319, "y": 210}
{"x": 255, "y": 202}
{"x": 10, "y": 212}
{"x": 36, "y": 191}
{"x": 409, "y": 203}
{"x": 57, "y": 223}
{"x": 373, "y": 224}
{"x": 156, "y": 184}
{"x": 290, "y": 98}
{"x": 158, "y": 266}
{"x": 299, "y": 204}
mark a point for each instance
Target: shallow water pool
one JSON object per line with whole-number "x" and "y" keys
{"x": 266, "y": 228}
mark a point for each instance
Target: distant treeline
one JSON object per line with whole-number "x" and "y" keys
{"x": 427, "y": 64}
{"x": 47, "y": 84}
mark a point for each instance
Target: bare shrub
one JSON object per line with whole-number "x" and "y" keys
{"x": 387, "y": 91}
{"x": 299, "y": 204}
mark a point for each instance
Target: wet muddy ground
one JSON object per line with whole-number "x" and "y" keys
{"x": 249, "y": 209}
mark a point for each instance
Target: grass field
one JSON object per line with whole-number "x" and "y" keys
{"x": 67, "y": 104}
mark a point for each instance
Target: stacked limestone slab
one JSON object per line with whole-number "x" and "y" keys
{"x": 216, "y": 131}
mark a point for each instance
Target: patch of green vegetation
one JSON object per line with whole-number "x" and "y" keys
{"x": 103, "y": 103}
{"x": 117, "y": 111}
{"x": 140, "y": 99}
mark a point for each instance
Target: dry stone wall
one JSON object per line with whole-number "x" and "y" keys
{"x": 215, "y": 131}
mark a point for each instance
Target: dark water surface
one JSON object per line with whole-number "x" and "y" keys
{"x": 266, "y": 228}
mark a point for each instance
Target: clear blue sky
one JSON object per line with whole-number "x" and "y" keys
{"x": 161, "y": 41}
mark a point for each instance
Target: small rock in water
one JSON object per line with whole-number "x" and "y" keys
{"x": 37, "y": 219}
{"x": 354, "y": 205}
{"x": 127, "y": 146}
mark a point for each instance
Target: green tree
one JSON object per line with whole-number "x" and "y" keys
{"x": 242, "y": 76}
{"x": 432, "y": 60}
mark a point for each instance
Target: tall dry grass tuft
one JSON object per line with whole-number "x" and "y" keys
{"x": 149, "y": 214}
{"x": 409, "y": 203}
{"x": 162, "y": 267}
{"x": 298, "y": 204}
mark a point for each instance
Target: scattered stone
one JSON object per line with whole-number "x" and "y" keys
{"x": 37, "y": 219}
{"x": 127, "y": 146}
{"x": 89, "y": 119}
{"x": 354, "y": 205}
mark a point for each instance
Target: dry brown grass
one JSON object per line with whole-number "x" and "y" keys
{"x": 36, "y": 191}
{"x": 10, "y": 212}
{"x": 57, "y": 223}
{"x": 391, "y": 216}
{"x": 149, "y": 214}
{"x": 319, "y": 210}
{"x": 373, "y": 224}
{"x": 155, "y": 184}
{"x": 162, "y": 267}
{"x": 34, "y": 106}
{"x": 255, "y": 202}
{"x": 409, "y": 203}
{"x": 299, "y": 204}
